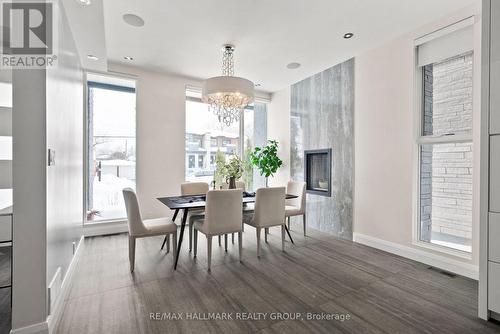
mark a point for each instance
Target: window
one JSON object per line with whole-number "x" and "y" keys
{"x": 217, "y": 139}
{"x": 111, "y": 146}
{"x": 191, "y": 161}
{"x": 445, "y": 144}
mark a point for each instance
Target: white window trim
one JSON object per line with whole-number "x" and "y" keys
{"x": 418, "y": 141}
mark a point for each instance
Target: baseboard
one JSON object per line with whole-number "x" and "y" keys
{"x": 39, "y": 328}
{"x": 94, "y": 229}
{"x": 56, "y": 312}
{"x": 431, "y": 259}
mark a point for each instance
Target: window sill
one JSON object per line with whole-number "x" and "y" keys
{"x": 105, "y": 221}
{"x": 443, "y": 250}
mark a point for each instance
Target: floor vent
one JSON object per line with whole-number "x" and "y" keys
{"x": 443, "y": 272}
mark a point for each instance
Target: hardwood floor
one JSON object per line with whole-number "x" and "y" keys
{"x": 319, "y": 275}
{"x": 5, "y": 309}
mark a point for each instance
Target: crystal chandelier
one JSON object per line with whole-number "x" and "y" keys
{"x": 227, "y": 95}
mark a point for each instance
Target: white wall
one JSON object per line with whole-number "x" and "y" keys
{"x": 384, "y": 137}
{"x": 278, "y": 128}
{"x": 48, "y": 201}
{"x": 29, "y": 183}
{"x": 64, "y": 122}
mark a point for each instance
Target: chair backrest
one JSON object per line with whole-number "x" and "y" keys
{"x": 297, "y": 189}
{"x": 135, "y": 224}
{"x": 224, "y": 211}
{"x": 269, "y": 207}
{"x": 239, "y": 185}
{"x": 194, "y": 188}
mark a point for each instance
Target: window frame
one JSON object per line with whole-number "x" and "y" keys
{"x": 419, "y": 139}
{"x": 86, "y": 136}
{"x": 190, "y": 96}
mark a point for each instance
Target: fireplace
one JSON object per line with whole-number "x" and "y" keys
{"x": 318, "y": 171}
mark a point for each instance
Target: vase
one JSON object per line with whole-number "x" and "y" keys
{"x": 267, "y": 183}
{"x": 232, "y": 183}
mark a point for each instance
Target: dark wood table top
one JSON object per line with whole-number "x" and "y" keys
{"x": 198, "y": 201}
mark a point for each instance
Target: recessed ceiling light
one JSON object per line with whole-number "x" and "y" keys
{"x": 84, "y": 2}
{"x": 293, "y": 66}
{"x": 92, "y": 57}
{"x": 348, "y": 35}
{"x": 128, "y": 58}
{"x": 133, "y": 20}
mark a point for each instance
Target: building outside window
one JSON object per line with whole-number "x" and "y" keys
{"x": 445, "y": 144}
{"x": 206, "y": 139}
{"x": 111, "y": 146}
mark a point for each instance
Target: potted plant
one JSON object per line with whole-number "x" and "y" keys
{"x": 232, "y": 170}
{"x": 266, "y": 159}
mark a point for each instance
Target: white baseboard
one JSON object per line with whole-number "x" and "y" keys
{"x": 419, "y": 255}
{"x": 94, "y": 229}
{"x": 56, "y": 312}
{"x": 39, "y": 328}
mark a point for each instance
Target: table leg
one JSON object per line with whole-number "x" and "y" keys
{"x": 287, "y": 231}
{"x": 173, "y": 219}
{"x": 183, "y": 225}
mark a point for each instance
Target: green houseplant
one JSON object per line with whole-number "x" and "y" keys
{"x": 266, "y": 159}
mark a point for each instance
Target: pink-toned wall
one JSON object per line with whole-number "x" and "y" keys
{"x": 384, "y": 138}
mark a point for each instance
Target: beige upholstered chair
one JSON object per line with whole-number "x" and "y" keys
{"x": 269, "y": 211}
{"x": 189, "y": 189}
{"x": 239, "y": 185}
{"x": 138, "y": 228}
{"x": 223, "y": 215}
{"x": 296, "y": 206}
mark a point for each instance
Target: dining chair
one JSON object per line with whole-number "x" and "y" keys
{"x": 239, "y": 185}
{"x": 139, "y": 228}
{"x": 223, "y": 215}
{"x": 296, "y": 206}
{"x": 192, "y": 189}
{"x": 269, "y": 211}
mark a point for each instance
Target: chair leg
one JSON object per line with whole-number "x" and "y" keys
{"x": 195, "y": 236}
{"x": 209, "y": 251}
{"x": 289, "y": 223}
{"x": 240, "y": 243}
{"x": 232, "y": 238}
{"x": 283, "y": 238}
{"x": 174, "y": 243}
{"x": 304, "y": 222}
{"x": 220, "y": 242}
{"x": 168, "y": 243}
{"x": 190, "y": 236}
{"x": 164, "y": 242}
{"x": 225, "y": 242}
{"x": 258, "y": 241}
{"x": 266, "y": 232}
{"x": 131, "y": 252}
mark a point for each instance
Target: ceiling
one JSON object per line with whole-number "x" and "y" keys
{"x": 185, "y": 36}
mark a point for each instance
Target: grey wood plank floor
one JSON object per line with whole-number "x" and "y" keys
{"x": 5, "y": 309}
{"x": 319, "y": 274}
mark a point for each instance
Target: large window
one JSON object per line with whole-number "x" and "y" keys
{"x": 208, "y": 140}
{"x": 111, "y": 147}
{"x": 445, "y": 142}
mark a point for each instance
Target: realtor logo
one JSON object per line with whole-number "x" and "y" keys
{"x": 27, "y": 34}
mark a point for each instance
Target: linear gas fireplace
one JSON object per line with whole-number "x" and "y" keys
{"x": 318, "y": 171}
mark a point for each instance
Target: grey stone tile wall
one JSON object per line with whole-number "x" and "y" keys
{"x": 322, "y": 116}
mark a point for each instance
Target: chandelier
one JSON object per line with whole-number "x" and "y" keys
{"x": 227, "y": 95}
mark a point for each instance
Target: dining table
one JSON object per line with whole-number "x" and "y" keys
{"x": 191, "y": 202}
